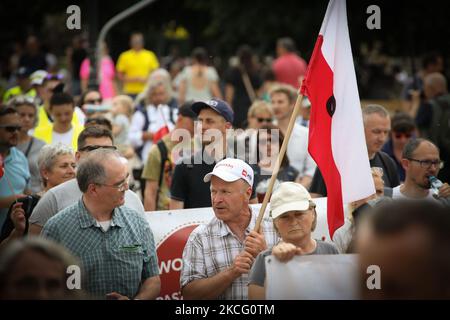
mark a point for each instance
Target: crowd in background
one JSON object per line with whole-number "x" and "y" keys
{"x": 57, "y": 129}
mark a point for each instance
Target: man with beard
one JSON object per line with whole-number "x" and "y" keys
{"x": 421, "y": 161}
{"x": 15, "y": 174}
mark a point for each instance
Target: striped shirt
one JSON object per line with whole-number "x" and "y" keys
{"x": 116, "y": 260}
{"x": 212, "y": 248}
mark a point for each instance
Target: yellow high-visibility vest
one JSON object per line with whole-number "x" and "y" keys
{"x": 45, "y": 133}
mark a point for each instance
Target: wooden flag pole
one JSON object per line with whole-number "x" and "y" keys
{"x": 278, "y": 162}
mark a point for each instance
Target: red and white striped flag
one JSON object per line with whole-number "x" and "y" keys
{"x": 336, "y": 132}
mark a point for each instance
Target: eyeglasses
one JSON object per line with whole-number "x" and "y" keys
{"x": 120, "y": 187}
{"x": 428, "y": 163}
{"x": 399, "y": 135}
{"x": 11, "y": 129}
{"x": 94, "y": 101}
{"x": 261, "y": 120}
{"x": 95, "y": 147}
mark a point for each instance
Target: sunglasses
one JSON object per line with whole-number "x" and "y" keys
{"x": 54, "y": 77}
{"x": 94, "y": 101}
{"x": 261, "y": 120}
{"x": 399, "y": 135}
{"x": 95, "y": 147}
{"x": 11, "y": 129}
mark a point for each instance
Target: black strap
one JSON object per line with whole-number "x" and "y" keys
{"x": 29, "y": 147}
{"x": 163, "y": 151}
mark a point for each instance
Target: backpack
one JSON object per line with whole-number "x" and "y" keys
{"x": 142, "y": 109}
{"x": 164, "y": 157}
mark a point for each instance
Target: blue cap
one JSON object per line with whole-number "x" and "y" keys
{"x": 220, "y": 106}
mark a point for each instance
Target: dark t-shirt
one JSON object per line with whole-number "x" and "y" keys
{"x": 33, "y": 63}
{"x": 188, "y": 186}
{"x": 241, "y": 101}
{"x": 77, "y": 59}
{"x": 381, "y": 159}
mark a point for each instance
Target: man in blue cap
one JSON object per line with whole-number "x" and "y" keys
{"x": 188, "y": 189}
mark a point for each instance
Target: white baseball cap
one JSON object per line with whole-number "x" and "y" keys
{"x": 289, "y": 196}
{"x": 231, "y": 170}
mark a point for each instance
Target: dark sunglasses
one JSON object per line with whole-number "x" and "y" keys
{"x": 11, "y": 129}
{"x": 399, "y": 135}
{"x": 95, "y": 147}
{"x": 261, "y": 120}
{"x": 94, "y": 101}
{"x": 54, "y": 77}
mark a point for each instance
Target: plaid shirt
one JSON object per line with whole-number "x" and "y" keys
{"x": 212, "y": 248}
{"x": 115, "y": 260}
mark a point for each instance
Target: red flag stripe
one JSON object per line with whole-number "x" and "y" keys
{"x": 318, "y": 86}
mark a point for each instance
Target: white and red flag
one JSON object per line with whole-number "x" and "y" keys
{"x": 336, "y": 132}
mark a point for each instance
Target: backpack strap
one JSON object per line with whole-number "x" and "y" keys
{"x": 164, "y": 157}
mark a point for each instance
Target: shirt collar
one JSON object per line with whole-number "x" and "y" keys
{"x": 87, "y": 220}
{"x": 224, "y": 230}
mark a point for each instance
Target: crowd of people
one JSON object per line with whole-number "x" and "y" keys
{"x": 80, "y": 167}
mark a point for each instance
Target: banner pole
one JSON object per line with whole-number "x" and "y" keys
{"x": 280, "y": 157}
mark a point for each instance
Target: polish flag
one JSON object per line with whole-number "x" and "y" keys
{"x": 336, "y": 133}
{"x": 163, "y": 130}
{"x": 158, "y": 135}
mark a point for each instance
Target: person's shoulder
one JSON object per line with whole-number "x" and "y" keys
{"x": 326, "y": 247}
{"x": 69, "y": 188}
{"x": 65, "y": 217}
{"x": 300, "y": 130}
{"x": 38, "y": 143}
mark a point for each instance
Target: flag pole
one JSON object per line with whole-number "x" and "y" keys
{"x": 280, "y": 157}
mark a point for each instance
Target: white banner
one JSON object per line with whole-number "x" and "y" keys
{"x": 314, "y": 277}
{"x": 171, "y": 230}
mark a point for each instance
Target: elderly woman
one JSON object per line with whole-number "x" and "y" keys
{"x": 56, "y": 165}
{"x": 294, "y": 218}
{"x": 29, "y": 145}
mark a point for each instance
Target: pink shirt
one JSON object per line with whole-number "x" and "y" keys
{"x": 107, "y": 76}
{"x": 288, "y": 68}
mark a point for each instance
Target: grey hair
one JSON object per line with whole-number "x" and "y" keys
{"x": 48, "y": 248}
{"x": 49, "y": 153}
{"x": 158, "y": 77}
{"x": 91, "y": 170}
{"x": 374, "y": 108}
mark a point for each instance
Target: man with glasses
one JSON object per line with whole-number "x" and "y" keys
{"x": 68, "y": 193}
{"x": 114, "y": 242}
{"x": 15, "y": 177}
{"x": 420, "y": 161}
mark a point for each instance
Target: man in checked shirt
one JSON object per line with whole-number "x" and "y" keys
{"x": 218, "y": 256}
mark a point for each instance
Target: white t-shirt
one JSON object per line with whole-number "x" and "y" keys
{"x": 105, "y": 225}
{"x": 64, "y": 138}
{"x": 158, "y": 118}
{"x": 297, "y": 151}
{"x": 396, "y": 194}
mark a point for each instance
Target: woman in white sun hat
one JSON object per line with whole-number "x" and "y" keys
{"x": 294, "y": 218}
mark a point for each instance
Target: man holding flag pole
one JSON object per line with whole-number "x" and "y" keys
{"x": 336, "y": 133}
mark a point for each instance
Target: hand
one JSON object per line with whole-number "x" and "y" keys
{"x": 255, "y": 243}
{"x": 116, "y": 296}
{"x": 242, "y": 263}
{"x": 444, "y": 191}
{"x": 18, "y": 218}
{"x": 147, "y": 136}
{"x": 286, "y": 251}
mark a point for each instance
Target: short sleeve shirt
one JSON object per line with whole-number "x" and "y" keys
{"x": 116, "y": 260}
